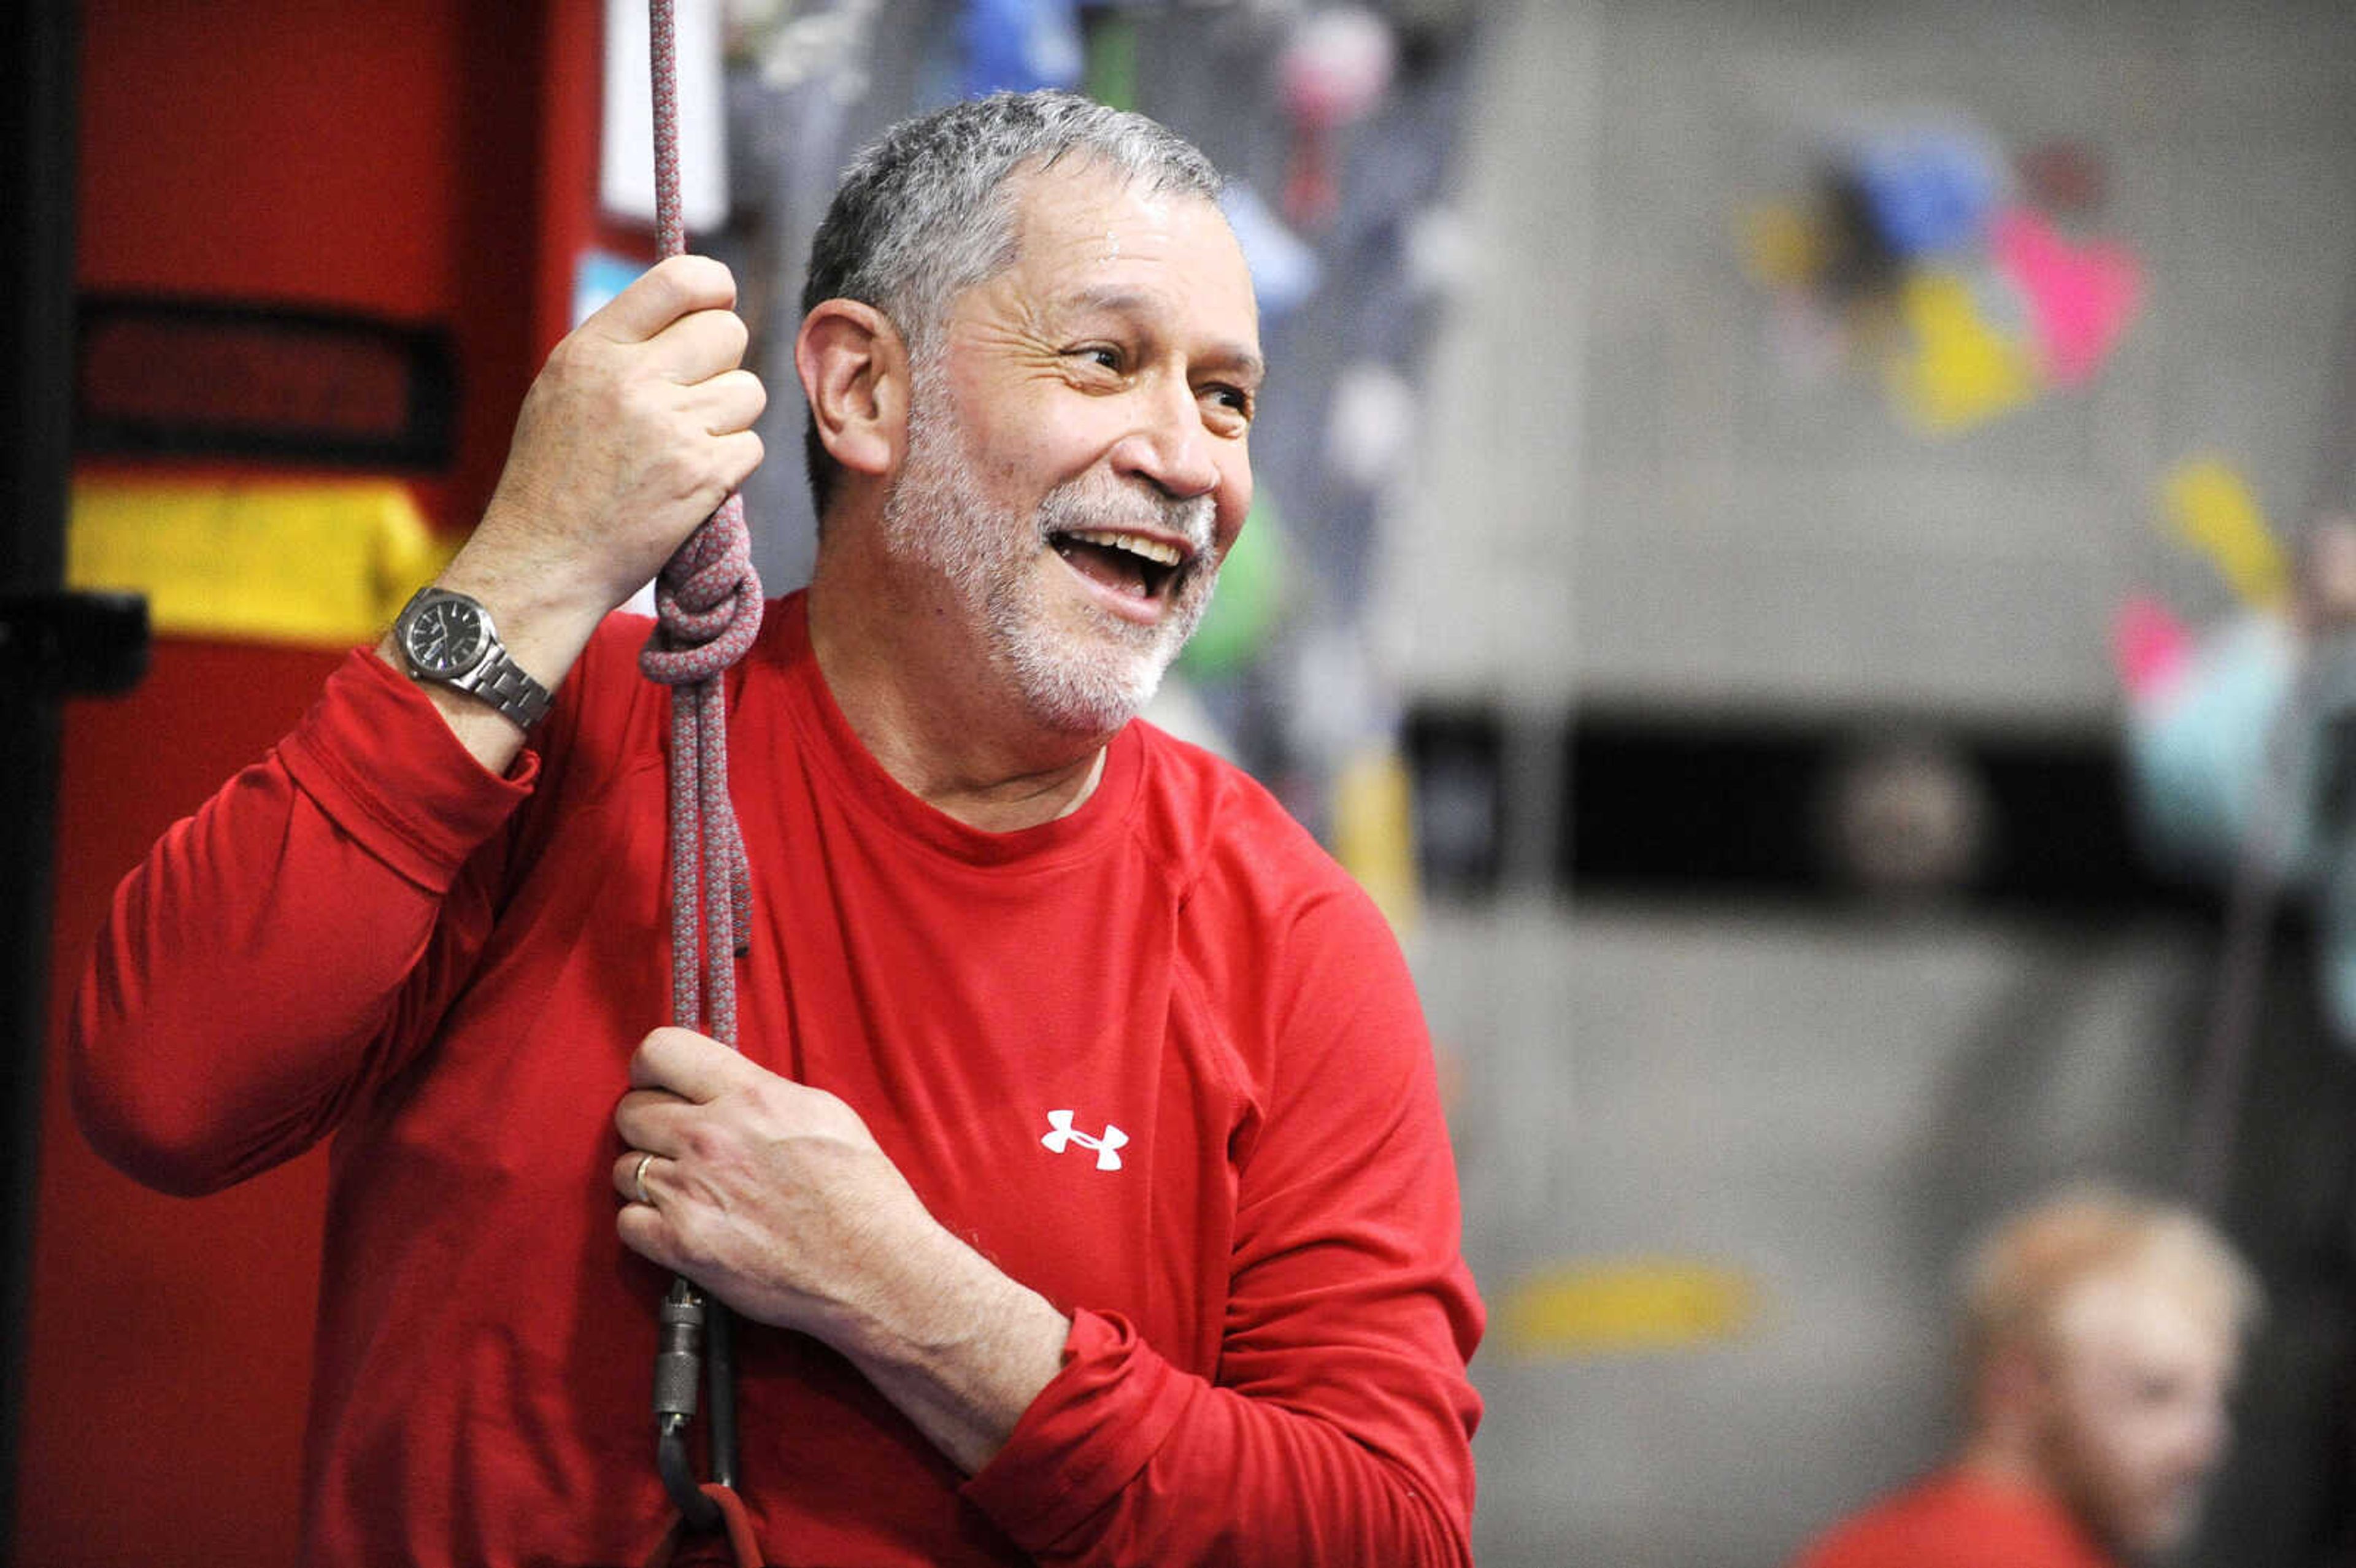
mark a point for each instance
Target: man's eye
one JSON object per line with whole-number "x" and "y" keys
{"x": 1101, "y": 354}
{"x": 1232, "y": 399}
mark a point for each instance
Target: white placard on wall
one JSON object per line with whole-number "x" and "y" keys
{"x": 626, "y": 175}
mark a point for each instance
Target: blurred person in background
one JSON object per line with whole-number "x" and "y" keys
{"x": 2100, "y": 1338}
{"x": 2240, "y": 753}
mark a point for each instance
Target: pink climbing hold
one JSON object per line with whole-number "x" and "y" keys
{"x": 2150, "y": 647}
{"x": 2080, "y": 296}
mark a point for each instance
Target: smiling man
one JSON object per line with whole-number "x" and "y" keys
{"x": 2101, "y": 1337}
{"x": 1071, "y": 458}
{"x": 1081, "y": 1185}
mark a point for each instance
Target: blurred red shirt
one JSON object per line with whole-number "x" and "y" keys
{"x": 1954, "y": 1519}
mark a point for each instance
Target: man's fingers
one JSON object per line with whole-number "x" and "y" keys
{"x": 637, "y": 1175}
{"x": 690, "y": 1065}
{"x": 699, "y": 346}
{"x": 645, "y": 1233}
{"x": 646, "y": 1230}
{"x": 653, "y": 1121}
{"x": 728, "y": 403}
{"x": 662, "y": 294}
{"x": 737, "y": 455}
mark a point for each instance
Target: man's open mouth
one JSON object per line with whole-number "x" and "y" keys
{"x": 1127, "y": 563}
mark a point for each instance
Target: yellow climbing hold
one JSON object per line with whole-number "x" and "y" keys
{"x": 1960, "y": 370}
{"x": 2210, "y": 507}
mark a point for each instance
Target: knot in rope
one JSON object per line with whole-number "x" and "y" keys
{"x": 707, "y": 602}
{"x": 708, "y": 610}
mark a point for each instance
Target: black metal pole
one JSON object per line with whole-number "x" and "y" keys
{"x": 38, "y": 39}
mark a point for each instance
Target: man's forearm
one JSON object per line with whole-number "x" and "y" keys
{"x": 964, "y": 1355}
{"x": 1342, "y": 1457}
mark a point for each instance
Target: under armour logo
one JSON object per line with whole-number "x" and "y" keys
{"x": 1064, "y": 1137}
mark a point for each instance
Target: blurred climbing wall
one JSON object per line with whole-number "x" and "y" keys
{"x": 1721, "y": 1133}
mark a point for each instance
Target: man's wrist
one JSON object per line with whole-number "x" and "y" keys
{"x": 964, "y": 1352}
{"x": 542, "y": 620}
{"x": 545, "y": 614}
{"x": 451, "y": 640}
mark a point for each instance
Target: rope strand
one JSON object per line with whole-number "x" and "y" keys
{"x": 708, "y": 610}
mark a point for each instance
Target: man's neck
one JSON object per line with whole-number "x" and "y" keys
{"x": 941, "y": 732}
{"x": 2006, "y": 1462}
{"x": 2002, "y": 1463}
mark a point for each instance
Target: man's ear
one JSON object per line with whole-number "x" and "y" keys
{"x": 854, "y": 371}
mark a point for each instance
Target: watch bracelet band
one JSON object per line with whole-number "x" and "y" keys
{"x": 507, "y": 687}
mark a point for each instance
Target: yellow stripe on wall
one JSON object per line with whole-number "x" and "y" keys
{"x": 316, "y": 562}
{"x": 1605, "y": 1307}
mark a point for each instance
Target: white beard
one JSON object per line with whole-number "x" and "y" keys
{"x": 1078, "y": 669}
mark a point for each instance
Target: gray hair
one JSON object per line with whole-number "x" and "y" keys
{"x": 922, "y": 215}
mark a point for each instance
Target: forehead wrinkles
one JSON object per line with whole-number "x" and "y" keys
{"x": 1097, "y": 213}
{"x": 1062, "y": 278}
{"x": 1089, "y": 218}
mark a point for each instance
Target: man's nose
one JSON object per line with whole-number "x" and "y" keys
{"x": 2207, "y": 1435}
{"x": 1170, "y": 446}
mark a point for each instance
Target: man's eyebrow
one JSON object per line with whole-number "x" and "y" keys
{"x": 1237, "y": 361}
{"x": 1233, "y": 357}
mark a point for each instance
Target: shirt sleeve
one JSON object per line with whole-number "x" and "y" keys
{"x": 1338, "y": 1426}
{"x": 289, "y": 947}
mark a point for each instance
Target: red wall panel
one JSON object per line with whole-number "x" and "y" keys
{"x": 380, "y": 157}
{"x": 170, "y": 1348}
{"x": 414, "y": 159}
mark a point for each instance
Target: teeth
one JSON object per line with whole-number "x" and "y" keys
{"x": 1152, "y": 550}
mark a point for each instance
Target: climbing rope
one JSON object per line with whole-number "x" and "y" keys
{"x": 708, "y": 610}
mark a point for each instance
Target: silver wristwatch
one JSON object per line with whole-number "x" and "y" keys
{"x": 448, "y": 638}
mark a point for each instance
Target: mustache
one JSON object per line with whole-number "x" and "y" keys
{"x": 1084, "y": 505}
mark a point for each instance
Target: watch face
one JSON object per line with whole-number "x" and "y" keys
{"x": 445, "y": 638}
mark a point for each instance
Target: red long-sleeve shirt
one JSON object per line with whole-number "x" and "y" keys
{"x": 367, "y": 935}
{"x": 1957, "y": 1519}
